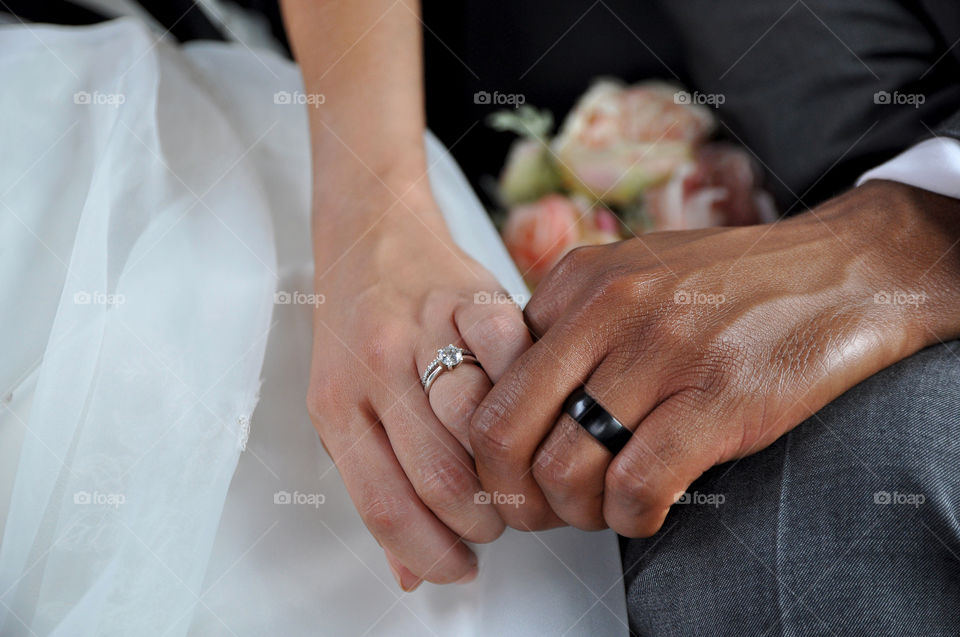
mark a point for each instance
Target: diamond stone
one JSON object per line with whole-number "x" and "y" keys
{"x": 450, "y": 356}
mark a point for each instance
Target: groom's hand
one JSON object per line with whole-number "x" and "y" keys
{"x": 709, "y": 345}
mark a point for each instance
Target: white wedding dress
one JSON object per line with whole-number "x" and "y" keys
{"x": 153, "y": 198}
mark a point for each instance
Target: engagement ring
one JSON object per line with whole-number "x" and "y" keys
{"x": 447, "y": 358}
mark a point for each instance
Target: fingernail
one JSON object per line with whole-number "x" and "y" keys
{"x": 408, "y": 581}
{"x": 469, "y": 577}
{"x": 405, "y": 578}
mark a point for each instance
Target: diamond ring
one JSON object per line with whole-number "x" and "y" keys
{"x": 447, "y": 358}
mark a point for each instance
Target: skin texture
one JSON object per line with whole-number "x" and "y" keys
{"x": 709, "y": 345}
{"x": 700, "y": 383}
{"x": 397, "y": 288}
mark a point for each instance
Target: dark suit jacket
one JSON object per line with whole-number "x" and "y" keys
{"x": 802, "y": 77}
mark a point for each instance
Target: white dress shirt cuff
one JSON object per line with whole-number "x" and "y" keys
{"x": 933, "y": 165}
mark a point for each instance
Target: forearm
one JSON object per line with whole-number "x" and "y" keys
{"x": 364, "y": 57}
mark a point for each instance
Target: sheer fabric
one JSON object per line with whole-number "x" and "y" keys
{"x": 154, "y": 211}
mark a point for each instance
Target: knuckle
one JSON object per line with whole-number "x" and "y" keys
{"x": 619, "y": 282}
{"x": 611, "y": 282}
{"x": 573, "y": 261}
{"x": 613, "y": 291}
{"x": 537, "y": 312}
{"x": 447, "y": 486}
{"x": 379, "y": 351}
{"x": 554, "y": 472}
{"x": 559, "y": 472}
{"x": 437, "y": 302}
{"x": 501, "y": 330}
{"x": 454, "y": 408}
{"x": 385, "y": 516}
{"x": 627, "y": 482}
{"x": 489, "y": 435}
{"x": 465, "y": 402}
{"x": 324, "y": 393}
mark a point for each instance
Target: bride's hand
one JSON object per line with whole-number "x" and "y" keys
{"x": 394, "y": 293}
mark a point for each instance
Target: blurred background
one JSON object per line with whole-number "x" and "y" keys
{"x": 545, "y": 53}
{"x": 548, "y": 53}
{"x": 814, "y": 126}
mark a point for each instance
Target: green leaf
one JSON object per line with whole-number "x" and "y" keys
{"x": 526, "y": 121}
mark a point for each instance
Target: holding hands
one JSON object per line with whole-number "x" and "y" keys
{"x": 707, "y": 344}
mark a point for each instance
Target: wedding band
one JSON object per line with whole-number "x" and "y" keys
{"x": 447, "y": 359}
{"x": 598, "y": 422}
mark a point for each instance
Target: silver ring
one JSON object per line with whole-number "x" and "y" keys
{"x": 447, "y": 359}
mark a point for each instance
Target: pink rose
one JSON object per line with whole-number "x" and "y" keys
{"x": 599, "y": 226}
{"x": 619, "y": 140}
{"x": 537, "y": 235}
{"x": 720, "y": 187}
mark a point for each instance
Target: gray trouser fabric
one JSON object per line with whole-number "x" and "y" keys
{"x": 847, "y": 525}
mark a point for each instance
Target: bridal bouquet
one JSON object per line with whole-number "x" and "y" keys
{"x": 627, "y": 160}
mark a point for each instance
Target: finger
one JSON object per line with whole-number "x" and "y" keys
{"x": 439, "y": 468}
{"x": 455, "y": 394}
{"x": 492, "y": 327}
{"x": 581, "y": 271}
{"x": 404, "y": 576}
{"x": 565, "y": 282}
{"x": 570, "y": 464}
{"x": 517, "y": 414}
{"x": 391, "y": 508}
{"x": 670, "y": 449}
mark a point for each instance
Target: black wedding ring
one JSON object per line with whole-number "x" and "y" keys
{"x": 598, "y": 422}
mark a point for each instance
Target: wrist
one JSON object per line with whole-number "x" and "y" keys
{"x": 375, "y": 206}
{"x": 905, "y": 239}
{"x": 377, "y": 226}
